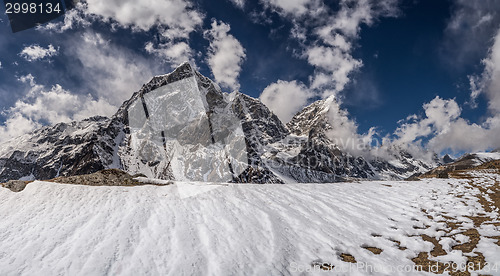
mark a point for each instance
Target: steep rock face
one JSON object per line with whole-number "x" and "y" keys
{"x": 261, "y": 127}
{"x": 258, "y": 121}
{"x": 175, "y": 125}
{"x": 181, "y": 126}
{"x": 447, "y": 159}
{"x": 308, "y": 155}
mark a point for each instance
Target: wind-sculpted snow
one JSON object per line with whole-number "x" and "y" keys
{"x": 191, "y": 228}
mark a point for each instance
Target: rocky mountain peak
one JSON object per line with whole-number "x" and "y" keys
{"x": 311, "y": 117}
{"x": 447, "y": 159}
{"x": 182, "y": 126}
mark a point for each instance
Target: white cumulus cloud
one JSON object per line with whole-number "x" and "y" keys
{"x": 285, "y": 98}
{"x": 174, "y": 53}
{"x": 174, "y": 20}
{"x": 337, "y": 63}
{"x": 52, "y": 105}
{"x": 327, "y": 36}
{"x": 225, "y": 55}
{"x": 176, "y": 14}
{"x": 445, "y": 129}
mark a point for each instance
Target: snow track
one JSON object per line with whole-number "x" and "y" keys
{"x": 200, "y": 229}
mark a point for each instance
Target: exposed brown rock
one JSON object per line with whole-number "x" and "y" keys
{"x": 374, "y": 250}
{"x": 15, "y": 185}
{"x": 348, "y": 258}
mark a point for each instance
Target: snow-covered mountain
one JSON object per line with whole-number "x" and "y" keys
{"x": 467, "y": 161}
{"x": 313, "y": 155}
{"x": 182, "y": 126}
{"x": 63, "y": 149}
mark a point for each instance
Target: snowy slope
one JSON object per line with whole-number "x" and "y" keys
{"x": 483, "y": 157}
{"x": 234, "y": 229}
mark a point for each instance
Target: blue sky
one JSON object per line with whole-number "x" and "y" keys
{"x": 412, "y": 72}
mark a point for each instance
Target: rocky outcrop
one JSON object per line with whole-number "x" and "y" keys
{"x": 109, "y": 177}
{"x": 15, "y": 185}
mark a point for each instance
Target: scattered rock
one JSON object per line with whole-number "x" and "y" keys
{"x": 323, "y": 265}
{"x": 438, "y": 249}
{"x": 16, "y": 185}
{"x": 374, "y": 250}
{"x": 443, "y": 174}
{"x": 474, "y": 238}
{"x": 110, "y": 177}
{"x": 348, "y": 258}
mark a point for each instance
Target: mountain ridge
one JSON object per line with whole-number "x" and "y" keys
{"x": 241, "y": 140}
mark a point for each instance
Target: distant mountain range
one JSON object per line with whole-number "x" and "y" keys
{"x": 181, "y": 126}
{"x": 468, "y": 161}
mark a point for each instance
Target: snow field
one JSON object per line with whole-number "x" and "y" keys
{"x": 234, "y": 229}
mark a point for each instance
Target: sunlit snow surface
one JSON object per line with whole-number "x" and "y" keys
{"x": 231, "y": 229}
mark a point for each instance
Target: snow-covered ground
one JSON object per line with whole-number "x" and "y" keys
{"x": 231, "y": 229}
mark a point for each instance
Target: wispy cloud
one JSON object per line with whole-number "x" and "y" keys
{"x": 293, "y": 8}
{"x": 108, "y": 70}
{"x": 469, "y": 31}
{"x": 173, "y": 20}
{"x": 326, "y": 38}
{"x": 36, "y": 52}
{"x": 238, "y": 3}
{"x": 488, "y": 82}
